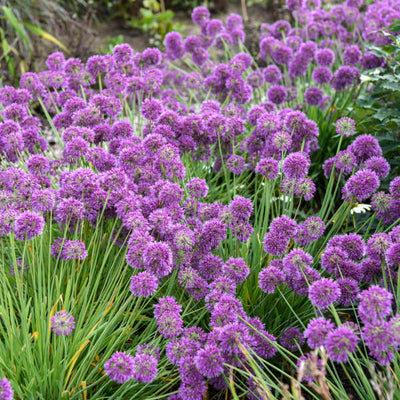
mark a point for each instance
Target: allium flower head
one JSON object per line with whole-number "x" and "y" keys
{"x": 268, "y": 167}
{"x": 345, "y": 126}
{"x": 269, "y": 278}
{"x": 375, "y": 304}
{"x": 6, "y": 391}
{"x": 120, "y": 367}
{"x": 158, "y": 259}
{"x": 145, "y": 368}
{"x": 296, "y": 165}
{"x": 277, "y": 94}
{"x": 324, "y": 292}
{"x": 62, "y": 323}
{"x": 28, "y": 225}
{"x": 340, "y": 342}
{"x": 143, "y": 284}
{"x": 317, "y": 330}
{"x": 292, "y": 339}
{"x": 209, "y": 361}
{"x": 236, "y": 269}
{"x": 236, "y": 164}
{"x": 313, "y": 96}
{"x": 241, "y": 208}
{"x": 361, "y": 185}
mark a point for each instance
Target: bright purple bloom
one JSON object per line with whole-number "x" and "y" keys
{"x": 345, "y": 126}
{"x": 28, "y": 225}
{"x": 292, "y": 339}
{"x": 209, "y": 361}
{"x": 145, "y": 368}
{"x": 6, "y": 391}
{"x": 324, "y": 292}
{"x": 157, "y": 259}
{"x": 375, "y": 304}
{"x": 313, "y": 96}
{"x": 62, "y": 323}
{"x": 322, "y": 75}
{"x": 296, "y": 165}
{"x": 340, "y": 343}
{"x": 143, "y": 284}
{"x": 361, "y": 185}
{"x": 120, "y": 367}
{"x": 269, "y": 278}
{"x": 317, "y": 330}
{"x": 268, "y": 167}
{"x": 277, "y": 94}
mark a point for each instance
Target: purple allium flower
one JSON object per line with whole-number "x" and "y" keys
{"x": 169, "y": 325}
{"x": 284, "y": 225}
{"x": 361, "y": 185}
{"x": 120, "y": 367}
{"x": 395, "y": 187}
{"x": 277, "y": 94}
{"x": 377, "y": 245}
{"x": 379, "y": 335}
{"x": 62, "y": 323}
{"x": 345, "y": 126}
{"x": 365, "y": 146}
{"x": 296, "y": 165}
{"x": 27, "y": 225}
{"x": 6, "y": 391}
{"x": 197, "y": 188}
{"x": 241, "y": 208}
{"x": 268, "y": 167}
{"x": 377, "y": 164}
{"x": 145, "y": 368}
{"x": 275, "y": 243}
{"x": 269, "y": 278}
{"x": 375, "y": 304}
{"x": 322, "y": 75}
{"x": 292, "y": 339}
{"x": 282, "y": 54}
{"x": 309, "y": 230}
{"x": 43, "y": 200}
{"x": 236, "y": 164}
{"x": 281, "y": 140}
{"x": 352, "y": 244}
{"x": 313, "y": 96}
{"x": 317, "y": 330}
{"x": 143, "y": 284}
{"x": 151, "y": 109}
{"x": 213, "y": 232}
{"x": 340, "y": 342}
{"x": 157, "y": 259}
{"x": 304, "y": 187}
{"x": 209, "y": 361}
{"x": 324, "y": 292}
{"x": 200, "y": 15}
{"x": 393, "y": 255}
{"x": 343, "y": 78}
{"x": 272, "y": 74}
{"x": 69, "y": 210}
{"x": 349, "y": 291}
{"x": 71, "y": 249}
{"x": 167, "y": 305}
{"x": 174, "y": 45}
{"x": 236, "y": 269}
{"x": 351, "y": 55}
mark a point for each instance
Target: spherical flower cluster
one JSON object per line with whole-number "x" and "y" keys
{"x": 6, "y": 391}
{"x": 62, "y": 323}
{"x": 120, "y": 367}
{"x": 324, "y": 292}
